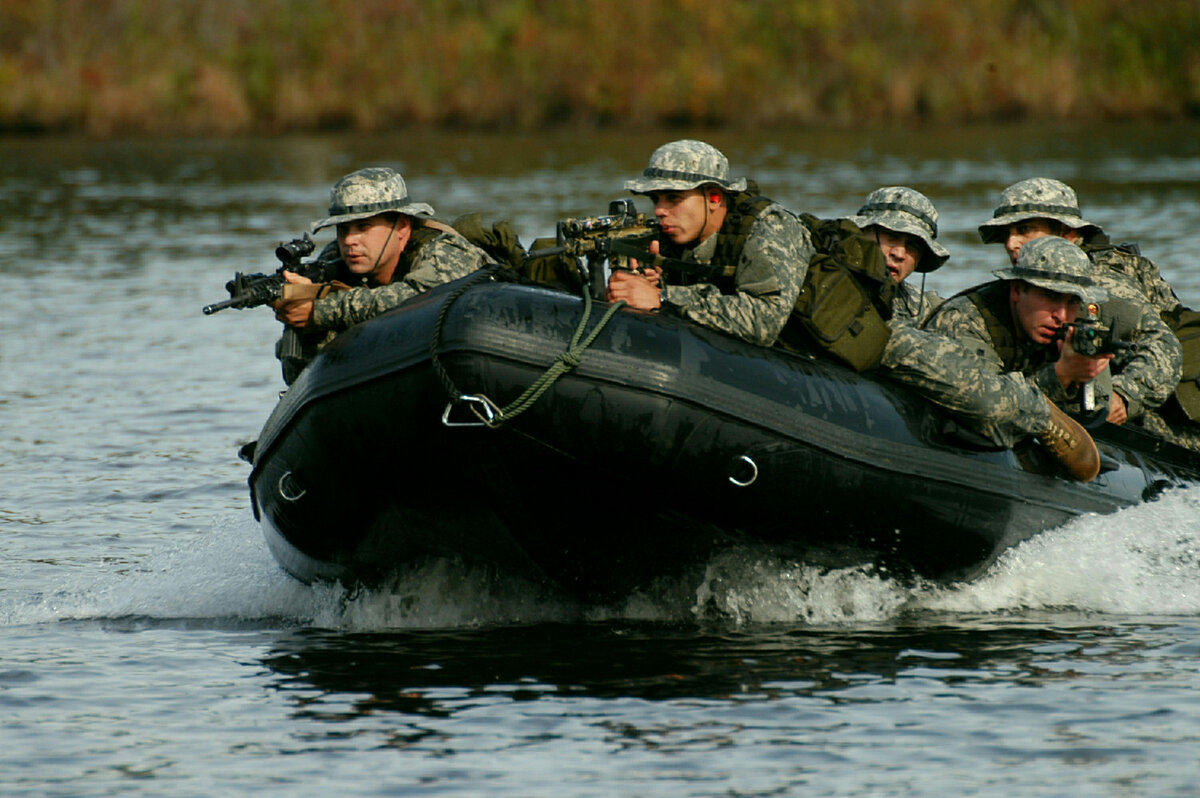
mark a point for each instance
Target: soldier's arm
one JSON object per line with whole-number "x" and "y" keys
{"x": 1147, "y": 378}
{"x": 768, "y": 279}
{"x": 442, "y": 260}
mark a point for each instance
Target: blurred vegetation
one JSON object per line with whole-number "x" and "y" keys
{"x": 109, "y": 67}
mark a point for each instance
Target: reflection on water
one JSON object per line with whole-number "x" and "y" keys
{"x": 438, "y": 673}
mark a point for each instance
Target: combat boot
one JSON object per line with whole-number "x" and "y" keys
{"x": 1071, "y": 445}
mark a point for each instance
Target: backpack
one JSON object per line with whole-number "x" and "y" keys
{"x": 846, "y": 300}
{"x": 502, "y": 243}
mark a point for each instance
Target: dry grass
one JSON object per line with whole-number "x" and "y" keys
{"x": 106, "y": 67}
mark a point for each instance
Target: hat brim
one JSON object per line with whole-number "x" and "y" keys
{"x": 996, "y": 230}
{"x": 644, "y": 185}
{"x": 420, "y": 209}
{"x": 902, "y": 223}
{"x": 1085, "y": 293}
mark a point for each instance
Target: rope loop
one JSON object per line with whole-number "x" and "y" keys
{"x": 483, "y": 408}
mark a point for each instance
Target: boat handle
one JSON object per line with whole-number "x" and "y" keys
{"x": 745, "y": 483}
{"x": 283, "y": 491}
{"x": 487, "y": 412}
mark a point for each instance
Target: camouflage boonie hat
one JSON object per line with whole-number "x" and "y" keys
{"x": 905, "y": 210}
{"x": 685, "y": 164}
{"x": 1035, "y": 198}
{"x": 1055, "y": 264}
{"x": 369, "y": 192}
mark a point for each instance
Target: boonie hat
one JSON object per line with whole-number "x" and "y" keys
{"x": 369, "y": 192}
{"x": 685, "y": 164}
{"x": 1055, "y": 264}
{"x": 905, "y": 210}
{"x": 1035, "y": 198}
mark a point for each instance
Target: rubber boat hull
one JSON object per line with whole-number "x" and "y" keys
{"x": 666, "y": 443}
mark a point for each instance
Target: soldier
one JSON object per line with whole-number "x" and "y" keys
{"x": 1142, "y": 379}
{"x": 388, "y": 250}
{"x": 1003, "y": 408}
{"x": 741, "y": 259}
{"x": 1017, "y": 326}
{"x": 904, "y": 223}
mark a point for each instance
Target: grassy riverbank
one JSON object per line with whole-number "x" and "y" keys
{"x": 114, "y": 67}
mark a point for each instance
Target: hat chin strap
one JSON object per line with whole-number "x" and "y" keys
{"x": 383, "y": 249}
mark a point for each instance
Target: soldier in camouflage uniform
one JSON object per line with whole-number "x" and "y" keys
{"x": 751, "y": 252}
{"x": 904, "y": 223}
{"x": 1004, "y": 408}
{"x": 388, "y": 250}
{"x": 1012, "y": 326}
{"x": 1142, "y": 379}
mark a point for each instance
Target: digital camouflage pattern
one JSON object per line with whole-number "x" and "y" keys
{"x": 445, "y": 257}
{"x": 767, "y": 279}
{"x": 1147, "y": 377}
{"x": 911, "y": 306}
{"x": 960, "y": 318}
{"x": 370, "y": 192}
{"x": 1003, "y": 407}
{"x": 905, "y": 210}
{"x": 1057, "y": 265}
{"x": 685, "y": 164}
{"x": 1035, "y": 198}
{"x": 1186, "y": 435}
{"x": 1046, "y": 198}
{"x": 1137, "y": 293}
{"x": 954, "y": 362}
{"x": 1136, "y": 267}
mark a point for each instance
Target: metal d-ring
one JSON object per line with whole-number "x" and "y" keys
{"x": 753, "y": 473}
{"x": 283, "y": 491}
{"x": 487, "y": 412}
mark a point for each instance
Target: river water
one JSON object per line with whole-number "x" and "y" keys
{"x": 149, "y": 644}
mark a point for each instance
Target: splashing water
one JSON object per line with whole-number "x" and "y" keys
{"x": 1143, "y": 560}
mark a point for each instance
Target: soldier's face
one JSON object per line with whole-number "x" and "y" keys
{"x": 1039, "y": 313}
{"x": 372, "y": 246}
{"x": 1026, "y": 230}
{"x": 686, "y": 216}
{"x": 901, "y": 251}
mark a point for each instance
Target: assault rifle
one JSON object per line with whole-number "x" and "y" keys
{"x": 595, "y": 239}
{"x": 253, "y": 290}
{"x": 1093, "y": 337}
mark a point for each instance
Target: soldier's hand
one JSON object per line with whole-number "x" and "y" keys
{"x": 637, "y": 291}
{"x": 1073, "y": 368}
{"x": 1118, "y": 413}
{"x": 295, "y": 313}
{"x": 652, "y": 273}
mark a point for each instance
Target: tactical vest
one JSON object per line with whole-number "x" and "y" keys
{"x": 417, "y": 239}
{"x": 744, "y": 210}
{"x": 846, "y": 300}
{"x": 991, "y": 300}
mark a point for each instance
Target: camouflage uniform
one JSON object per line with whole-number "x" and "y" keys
{"x": 429, "y": 259}
{"x": 773, "y": 260}
{"x": 1002, "y": 407}
{"x": 1145, "y": 378}
{"x": 441, "y": 259}
{"x": 431, "y": 256}
{"x": 1050, "y": 263}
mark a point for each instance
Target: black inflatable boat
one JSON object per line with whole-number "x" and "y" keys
{"x": 666, "y": 442}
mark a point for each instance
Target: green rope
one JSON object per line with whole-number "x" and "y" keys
{"x": 568, "y": 360}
